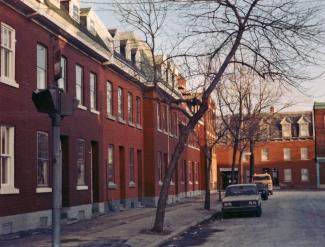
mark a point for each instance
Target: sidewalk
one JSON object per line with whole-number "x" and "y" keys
{"x": 125, "y": 229}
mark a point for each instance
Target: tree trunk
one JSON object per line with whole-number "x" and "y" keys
{"x": 252, "y": 160}
{"x": 208, "y": 160}
{"x": 234, "y": 154}
{"x": 163, "y": 195}
{"x": 240, "y": 168}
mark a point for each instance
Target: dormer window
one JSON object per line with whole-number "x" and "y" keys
{"x": 303, "y": 127}
{"x": 123, "y": 48}
{"x": 134, "y": 57}
{"x": 286, "y": 128}
{"x": 75, "y": 12}
{"x": 92, "y": 27}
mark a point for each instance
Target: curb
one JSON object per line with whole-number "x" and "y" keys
{"x": 179, "y": 231}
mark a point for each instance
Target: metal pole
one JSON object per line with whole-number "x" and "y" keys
{"x": 57, "y": 181}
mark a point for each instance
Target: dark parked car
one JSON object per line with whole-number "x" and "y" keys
{"x": 263, "y": 190}
{"x": 241, "y": 198}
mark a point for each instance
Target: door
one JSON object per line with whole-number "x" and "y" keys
{"x": 140, "y": 175}
{"x": 95, "y": 171}
{"x": 122, "y": 173}
{"x": 65, "y": 170}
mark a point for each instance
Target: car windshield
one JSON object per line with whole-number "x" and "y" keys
{"x": 260, "y": 186}
{"x": 241, "y": 190}
{"x": 259, "y": 178}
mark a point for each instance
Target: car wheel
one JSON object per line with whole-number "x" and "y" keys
{"x": 259, "y": 211}
{"x": 271, "y": 192}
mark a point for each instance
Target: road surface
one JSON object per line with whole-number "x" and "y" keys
{"x": 289, "y": 219}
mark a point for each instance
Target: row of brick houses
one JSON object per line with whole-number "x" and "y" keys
{"x": 291, "y": 151}
{"x": 116, "y": 146}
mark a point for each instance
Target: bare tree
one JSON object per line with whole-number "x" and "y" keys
{"x": 275, "y": 39}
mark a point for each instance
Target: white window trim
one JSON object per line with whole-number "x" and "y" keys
{"x": 284, "y": 177}
{"x": 10, "y": 187}
{"x": 289, "y": 154}
{"x": 43, "y": 189}
{"x": 48, "y": 175}
{"x": 267, "y": 158}
{"x": 82, "y": 187}
{"x": 306, "y": 132}
{"x": 304, "y": 180}
{"x": 11, "y": 81}
{"x": 301, "y": 153}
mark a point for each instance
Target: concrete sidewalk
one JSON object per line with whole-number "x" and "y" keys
{"x": 128, "y": 228}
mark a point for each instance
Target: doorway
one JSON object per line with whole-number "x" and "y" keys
{"x": 95, "y": 171}
{"x": 140, "y": 175}
{"x": 122, "y": 174}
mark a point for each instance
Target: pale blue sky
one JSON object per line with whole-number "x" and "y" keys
{"x": 315, "y": 89}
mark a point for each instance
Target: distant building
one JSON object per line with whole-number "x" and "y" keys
{"x": 285, "y": 150}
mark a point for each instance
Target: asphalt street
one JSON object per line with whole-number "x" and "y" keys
{"x": 289, "y": 219}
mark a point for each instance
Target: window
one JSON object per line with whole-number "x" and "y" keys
{"x": 93, "y": 91}
{"x": 287, "y": 175}
{"x": 189, "y": 172}
{"x": 304, "y": 153}
{"x": 42, "y": 159}
{"x": 41, "y": 66}
{"x": 131, "y": 165}
{"x": 133, "y": 57}
{"x": 164, "y": 117}
{"x": 196, "y": 172}
{"x": 303, "y": 129}
{"x": 264, "y": 154}
{"x": 110, "y": 164}
{"x": 81, "y": 162}
{"x": 79, "y": 84}
{"x": 286, "y": 130}
{"x": 63, "y": 79}
{"x": 92, "y": 27}
{"x": 158, "y": 116}
{"x": 75, "y": 12}
{"x": 138, "y": 113}
{"x": 304, "y": 175}
{"x": 120, "y": 104}
{"x": 109, "y": 91}
{"x": 7, "y": 60}
{"x": 130, "y": 107}
{"x": 123, "y": 48}
{"x": 246, "y": 156}
{"x": 287, "y": 154}
{"x": 159, "y": 166}
{"x": 7, "y": 160}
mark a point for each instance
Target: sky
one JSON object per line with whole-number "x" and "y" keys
{"x": 312, "y": 90}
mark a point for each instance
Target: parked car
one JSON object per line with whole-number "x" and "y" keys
{"x": 264, "y": 178}
{"x": 263, "y": 190}
{"x": 242, "y": 198}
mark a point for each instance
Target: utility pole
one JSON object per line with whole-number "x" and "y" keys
{"x": 56, "y": 104}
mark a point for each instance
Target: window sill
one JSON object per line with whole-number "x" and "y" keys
{"x": 111, "y": 117}
{"x": 95, "y": 111}
{"x": 131, "y": 124}
{"x": 190, "y": 182}
{"x": 9, "y": 82}
{"x": 131, "y": 184}
{"x": 138, "y": 126}
{"x": 43, "y": 189}
{"x": 196, "y": 182}
{"x": 6, "y": 190}
{"x": 160, "y": 183}
{"x": 121, "y": 120}
{"x": 172, "y": 183}
{"x": 82, "y": 187}
{"x": 112, "y": 186}
{"x": 82, "y": 107}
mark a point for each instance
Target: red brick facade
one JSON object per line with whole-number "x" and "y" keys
{"x": 136, "y": 144}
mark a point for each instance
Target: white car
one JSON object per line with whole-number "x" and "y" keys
{"x": 240, "y": 198}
